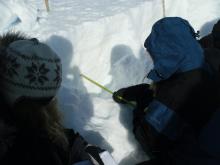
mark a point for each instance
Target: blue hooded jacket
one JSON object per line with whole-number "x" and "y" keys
{"x": 173, "y": 47}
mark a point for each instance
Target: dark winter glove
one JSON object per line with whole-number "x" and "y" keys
{"x": 82, "y": 151}
{"x": 141, "y": 94}
{"x": 77, "y": 145}
{"x": 118, "y": 96}
{"x": 93, "y": 152}
{"x": 99, "y": 156}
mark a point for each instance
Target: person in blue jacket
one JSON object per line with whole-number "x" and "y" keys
{"x": 177, "y": 117}
{"x": 212, "y": 40}
{"x": 211, "y": 45}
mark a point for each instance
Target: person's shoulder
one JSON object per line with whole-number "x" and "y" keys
{"x": 212, "y": 57}
{"x": 206, "y": 41}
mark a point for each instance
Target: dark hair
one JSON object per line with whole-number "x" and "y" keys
{"x": 5, "y": 40}
{"x": 32, "y": 116}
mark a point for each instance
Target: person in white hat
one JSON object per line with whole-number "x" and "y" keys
{"x": 30, "y": 123}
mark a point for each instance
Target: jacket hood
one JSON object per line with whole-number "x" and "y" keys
{"x": 173, "y": 47}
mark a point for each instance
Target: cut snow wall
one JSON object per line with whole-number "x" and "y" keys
{"x": 103, "y": 40}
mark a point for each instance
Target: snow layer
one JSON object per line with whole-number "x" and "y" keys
{"x": 102, "y": 39}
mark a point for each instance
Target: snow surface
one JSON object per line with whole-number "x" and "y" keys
{"x": 102, "y": 39}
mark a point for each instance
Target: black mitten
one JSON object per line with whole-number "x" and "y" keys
{"x": 118, "y": 96}
{"x": 141, "y": 94}
{"x": 77, "y": 145}
{"x": 93, "y": 152}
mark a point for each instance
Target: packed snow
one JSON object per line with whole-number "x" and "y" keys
{"x": 102, "y": 39}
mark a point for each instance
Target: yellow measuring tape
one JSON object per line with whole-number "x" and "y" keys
{"x": 106, "y": 89}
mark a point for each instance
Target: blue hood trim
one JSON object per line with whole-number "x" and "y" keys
{"x": 173, "y": 47}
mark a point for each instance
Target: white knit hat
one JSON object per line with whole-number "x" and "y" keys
{"x": 29, "y": 69}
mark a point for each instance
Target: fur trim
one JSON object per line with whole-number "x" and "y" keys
{"x": 10, "y": 37}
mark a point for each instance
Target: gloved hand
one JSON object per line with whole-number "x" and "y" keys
{"x": 141, "y": 94}
{"x": 81, "y": 150}
{"x": 93, "y": 152}
{"x": 118, "y": 95}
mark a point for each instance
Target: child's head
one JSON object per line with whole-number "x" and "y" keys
{"x": 30, "y": 76}
{"x": 173, "y": 47}
{"x": 29, "y": 69}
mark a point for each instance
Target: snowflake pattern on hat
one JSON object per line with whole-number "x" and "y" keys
{"x": 10, "y": 66}
{"x": 29, "y": 69}
{"x": 37, "y": 73}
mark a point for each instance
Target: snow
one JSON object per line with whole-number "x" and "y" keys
{"x": 102, "y": 39}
